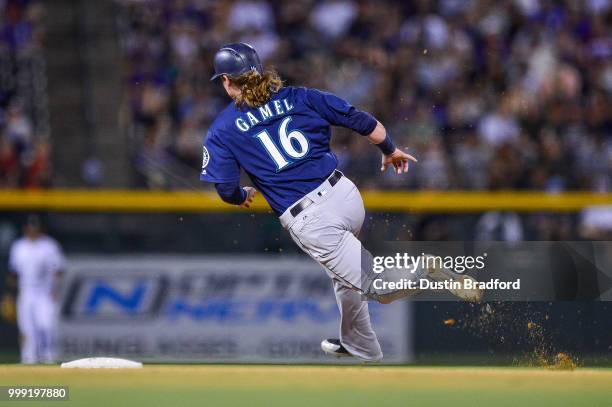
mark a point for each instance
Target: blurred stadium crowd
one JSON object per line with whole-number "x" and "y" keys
{"x": 487, "y": 94}
{"x": 25, "y": 159}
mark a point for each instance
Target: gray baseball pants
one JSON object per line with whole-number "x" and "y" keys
{"x": 327, "y": 231}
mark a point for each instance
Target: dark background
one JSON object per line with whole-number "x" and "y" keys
{"x": 495, "y": 334}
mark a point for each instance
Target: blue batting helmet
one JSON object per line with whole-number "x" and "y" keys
{"x": 236, "y": 59}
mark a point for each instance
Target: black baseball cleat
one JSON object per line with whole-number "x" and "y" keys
{"x": 333, "y": 347}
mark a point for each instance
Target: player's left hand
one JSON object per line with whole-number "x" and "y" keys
{"x": 249, "y": 198}
{"x": 398, "y": 159}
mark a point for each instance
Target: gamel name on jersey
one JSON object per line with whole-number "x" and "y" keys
{"x": 244, "y": 122}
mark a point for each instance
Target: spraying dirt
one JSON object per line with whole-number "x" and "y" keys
{"x": 500, "y": 321}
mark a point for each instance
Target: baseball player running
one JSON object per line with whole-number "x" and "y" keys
{"x": 280, "y": 137}
{"x": 37, "y": 262}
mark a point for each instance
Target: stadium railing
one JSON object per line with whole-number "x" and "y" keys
{"x": 387, "y": 201}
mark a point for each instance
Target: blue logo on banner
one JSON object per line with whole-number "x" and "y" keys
{"x": 289, "y": 310}
{"x": 216, "y": 309}
{"x": 136, "y": 298}
{"x": 101, "y": 292}
{"x": 226, "y": 310}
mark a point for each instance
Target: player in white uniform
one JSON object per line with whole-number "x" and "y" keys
{"x": 37, "y": 261}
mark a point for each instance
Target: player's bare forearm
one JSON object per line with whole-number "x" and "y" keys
{"x": 391, "y": 155}
{"x": 378, "y": 135}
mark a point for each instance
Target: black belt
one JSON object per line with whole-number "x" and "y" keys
{"x": 306, "y": 202}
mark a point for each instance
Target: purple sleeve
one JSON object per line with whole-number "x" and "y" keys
{"x": 339, "y": 112}
{"x": 231, "y": 193}
{"x": 218, "y": 164}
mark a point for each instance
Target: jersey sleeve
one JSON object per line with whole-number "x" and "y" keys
{"x": 218, "y": 164}
{"x": 339, "y": 112}
{"x": 56, "y": 260}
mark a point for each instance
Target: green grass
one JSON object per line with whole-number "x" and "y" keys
{"x": 317, "y": 386}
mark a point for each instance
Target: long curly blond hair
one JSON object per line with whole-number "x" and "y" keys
{"x": 257, "y": 89}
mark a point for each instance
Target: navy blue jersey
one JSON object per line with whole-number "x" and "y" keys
{"x": 283, "y": 145}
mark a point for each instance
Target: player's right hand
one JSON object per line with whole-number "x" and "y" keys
{"x": 249, "y": 198}
{"x": 398, "y": 159}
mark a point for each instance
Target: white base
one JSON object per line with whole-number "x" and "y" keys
{"x": 102, "y": 363}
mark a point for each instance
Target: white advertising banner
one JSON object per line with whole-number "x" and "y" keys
{"x": 238, "y": 309}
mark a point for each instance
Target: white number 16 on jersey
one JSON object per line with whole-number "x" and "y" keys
{"x": 294, "y": 144}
